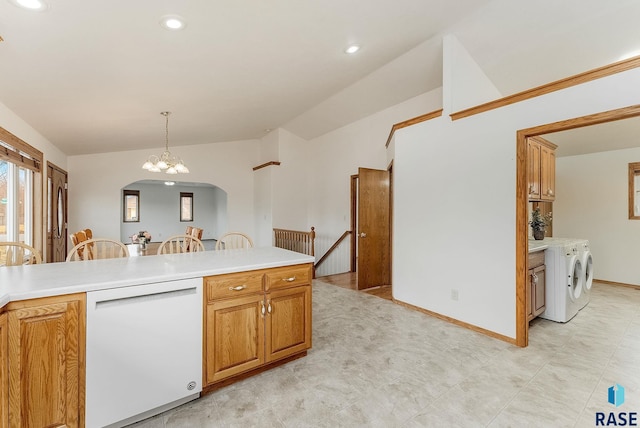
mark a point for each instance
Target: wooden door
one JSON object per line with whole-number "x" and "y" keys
{"x": 4, "y": 373}
{"x": 57, "y": 214}
{"x": 234, "y": 336}
{"x": 538, "y": 291}
{"x": 533, "y": 168}
{"x": 44, "y": 365}
{"x": 373, "y": 228}
{"x": 548, "y": 174}
{"x": 288, "y": 328}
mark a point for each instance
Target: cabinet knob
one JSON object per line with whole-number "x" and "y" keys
{"x": 363, "y": 235}
{"x": 534, "y": 277}
{"x": 550, "y": 192}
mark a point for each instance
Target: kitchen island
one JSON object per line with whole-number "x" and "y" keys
{"x": 255, "y": 313}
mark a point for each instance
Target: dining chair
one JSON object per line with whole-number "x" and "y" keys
{"x": 196, "y": 232}
{"x": 99, "y": 248}
{"x": 233, "y": 240}
{"x": 180, "y": 244}
{"x": 79, "y": 237}
{"x": 17, "y": 253}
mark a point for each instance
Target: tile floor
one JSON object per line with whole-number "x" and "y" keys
{"x": 377, "y": 364}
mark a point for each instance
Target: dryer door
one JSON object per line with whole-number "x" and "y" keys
{"x": 587, "y": 274}
{"x": 574, "y": 277}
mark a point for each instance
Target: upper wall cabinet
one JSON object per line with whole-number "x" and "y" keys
{"x": 541, "y": 169}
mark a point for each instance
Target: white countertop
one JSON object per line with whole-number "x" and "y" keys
{"x": 51, "y": 279}
{"x": 537, "y": 245}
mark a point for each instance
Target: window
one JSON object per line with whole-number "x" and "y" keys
{"x": 186, "y": 206}
{"x": 131, "y": 206}
{"x": 634, "y": 191}
{"x": 19, "y": 164}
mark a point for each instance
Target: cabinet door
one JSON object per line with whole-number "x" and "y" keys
{"x": 288, "y": 322}
{"x": 530, "y": 294}
{"x": 4, "y": 373}
{"x": 538, "y": 291}
{"x": 533, "y": 168}
{"x": 548, "y": 174}
{"x": 44, "y": 371}
{"x": 234, "y": 336}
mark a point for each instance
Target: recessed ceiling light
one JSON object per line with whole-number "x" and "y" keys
{"x": 629, "y": 55}
{"x": 173, "y": 22}
{"x": 30, "y": 4}
{"x": 352, "y": 49}
{"x": 169, "y": 183}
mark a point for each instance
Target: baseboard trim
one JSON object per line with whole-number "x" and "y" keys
{"x": 459, "y": 323}
{"x": 617, "y": 284}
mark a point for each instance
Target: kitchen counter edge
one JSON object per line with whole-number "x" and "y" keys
{"x": 55, "y": 279}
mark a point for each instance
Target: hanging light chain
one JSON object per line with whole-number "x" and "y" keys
{"x": 166, "y": 136}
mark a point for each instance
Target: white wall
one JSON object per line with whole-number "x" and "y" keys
{"x": 466, "y": 85}
{"x": 263, "y": 206}
{"x": 95, "y": 182}
{"x": 454, "y": 202}
{"x": 291, "y": 184}
{"x": 335, "y": 156}
{"x": 160, "y": 211}
{"x": 592, "y": 203}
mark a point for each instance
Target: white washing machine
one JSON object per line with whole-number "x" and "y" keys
{"x": 563, "y": 280}
{"x": 584, "y": 254}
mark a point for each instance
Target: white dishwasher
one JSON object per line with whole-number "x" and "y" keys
{"x": 144, "y": 350}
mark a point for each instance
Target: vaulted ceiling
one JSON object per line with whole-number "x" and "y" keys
{"x": 94, "y": 76}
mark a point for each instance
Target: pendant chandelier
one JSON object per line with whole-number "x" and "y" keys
{"x": 166, "y": 161}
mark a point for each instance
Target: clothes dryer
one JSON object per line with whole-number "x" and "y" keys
{"x": 584, "y": 254}
{"x": 563, "y": 281}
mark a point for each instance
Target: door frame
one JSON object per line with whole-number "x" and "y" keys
{"x": 522, "y": 200}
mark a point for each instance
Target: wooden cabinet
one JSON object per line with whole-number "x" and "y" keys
{"x": 255, "y": 318}
{"x": 45, "y": 361}
{"x": 234, "y": 336}
{"x": 541, "y": 169}
{"x": 536, "y": 287}
{"x": 288, "y": 322}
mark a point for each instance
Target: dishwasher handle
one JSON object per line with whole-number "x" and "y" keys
{"x": 120, "y": 301}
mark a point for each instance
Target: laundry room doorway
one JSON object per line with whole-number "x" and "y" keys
{"x": 522, "y": 200}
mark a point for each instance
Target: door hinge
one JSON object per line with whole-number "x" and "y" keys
{"x": 66, "y": 186}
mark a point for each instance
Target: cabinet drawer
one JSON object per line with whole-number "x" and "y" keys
{"x": 536, "y": 259}
{"x": 233, "y": 284}
{"x": 288, "y": 276}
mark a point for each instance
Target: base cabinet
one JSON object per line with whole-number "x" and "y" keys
{"x": 4, "y": 372}
{"x": 536, "y": 288}
{"x": 234, "y": 337}
{"x": 45, "y": 358}
{"x": 255, "y": 318}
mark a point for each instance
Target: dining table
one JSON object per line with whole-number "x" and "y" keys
{"x": 149, "y": 249}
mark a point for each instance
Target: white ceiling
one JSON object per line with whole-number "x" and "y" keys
{"x": 93, "y": 76}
